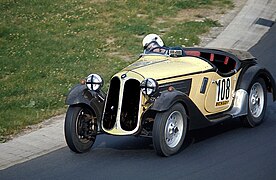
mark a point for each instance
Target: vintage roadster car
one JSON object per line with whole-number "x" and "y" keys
{"x": 167, "y": 92}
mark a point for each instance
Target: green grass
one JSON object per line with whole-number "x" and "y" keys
{"x": 48, "y": 46}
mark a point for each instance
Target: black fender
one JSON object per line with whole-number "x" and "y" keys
{"x": 168, "y": 99}
{"x": 81, "y": 95}
{"x": 253, "y": 72}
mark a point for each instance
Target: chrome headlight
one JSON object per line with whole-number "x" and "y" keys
{"x": 149, "y": 86}
{"x": 94, "y": 82}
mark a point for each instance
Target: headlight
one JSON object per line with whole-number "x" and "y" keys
{"x": 149, "y": 86}
{"x": 94, "y": 82}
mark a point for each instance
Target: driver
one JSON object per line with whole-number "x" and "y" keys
{"x": 151, "y": 42}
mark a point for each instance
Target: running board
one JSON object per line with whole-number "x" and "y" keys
{"x": 218, "y": 118}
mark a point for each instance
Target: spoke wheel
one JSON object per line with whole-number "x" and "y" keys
{"x": 80, "y": 128}
{"x": 257, "y": 102}
{"x": 169, "y": 130}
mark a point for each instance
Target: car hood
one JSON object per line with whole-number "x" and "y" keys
{"x": 159, "y": 67}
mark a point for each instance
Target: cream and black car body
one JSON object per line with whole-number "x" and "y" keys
{"x": 167, "y": 92}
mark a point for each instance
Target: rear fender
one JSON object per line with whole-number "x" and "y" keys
{"x": 254, "y": 72}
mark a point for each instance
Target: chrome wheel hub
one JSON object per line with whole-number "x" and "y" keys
{"x": 174, "y": 129}
{"x": 256, "y": 100}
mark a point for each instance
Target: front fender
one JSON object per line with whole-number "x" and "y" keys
{"x": 75, "y": 96}
{"x": 81, "y": 95}
{"x": 167, "y": 99}
{"x": 254, "y": 72}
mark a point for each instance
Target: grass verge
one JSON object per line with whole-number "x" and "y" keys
{"x": 48, "y": 46}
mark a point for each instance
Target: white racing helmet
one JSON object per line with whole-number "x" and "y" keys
{"x": 152, "y": 38}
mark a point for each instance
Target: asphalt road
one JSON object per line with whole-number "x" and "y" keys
{"x": 226, "y": 151}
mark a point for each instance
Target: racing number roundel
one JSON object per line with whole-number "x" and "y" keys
{"x": 223, "y": 91}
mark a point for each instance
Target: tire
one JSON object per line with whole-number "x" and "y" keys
{"x": 257, "y": 102}
{"x": 80, "y": 128}
{"x": 169, "y": 130}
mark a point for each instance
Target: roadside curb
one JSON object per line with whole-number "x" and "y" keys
{"x": 241, "y": 33}
{"x": 42, "y": 141}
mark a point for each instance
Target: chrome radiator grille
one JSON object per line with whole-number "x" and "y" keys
{"x": 128, "y": 108}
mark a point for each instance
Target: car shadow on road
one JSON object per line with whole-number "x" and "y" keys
{"x": 199, "y": 135}
{"x": 218, "y": 129}
{"x": 141, "y": 143}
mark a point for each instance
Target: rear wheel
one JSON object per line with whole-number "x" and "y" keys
{"x": 80, "y": 128}
{"x": 257, "y": 102}
{"x": 169, "y": 130}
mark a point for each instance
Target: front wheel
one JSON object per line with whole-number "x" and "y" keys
{"x": 169, "y": 130}
{"x": 257, "y": 102}
{"x": 80, "y": 128}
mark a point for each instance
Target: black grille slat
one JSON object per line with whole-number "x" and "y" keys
{"x": 130, "y": 105}
{"x": 111, "y": 108}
